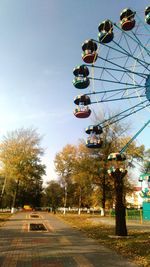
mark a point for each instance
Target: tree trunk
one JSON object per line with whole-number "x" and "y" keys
{"x": 79, "y": 208}
{"x": 65, "y": 200}
{"x": 15, "y": 194}
{"x": 120, "y": 228}
{"x": 103, "y": 196}
{"x": 2, "y": 192}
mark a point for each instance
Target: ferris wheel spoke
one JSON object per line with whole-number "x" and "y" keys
{"x": 139, "y": 42}
{"x": 117, "y": 90}
{"x": 110, "y": 95}
{"x": 141, "y": 52}
{"x": 121, "y": 67}
{"x": 136, "y": 39}
{"x": 128, "y": 46}
{"x": 125, "y": 73}
{"x": 122, "y": 73}
{"x": 111, "y": 81}
{"x": 147, "y": 29}
{"x": 118, "y": 70}
{"x": 143, "y": 63}
{"x": 124, "y": 52}
{"x": 124, "y": 114}
{"x": 116, "y": 99}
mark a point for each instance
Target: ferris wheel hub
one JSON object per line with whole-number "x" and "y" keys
{"x": 147, "y": 85}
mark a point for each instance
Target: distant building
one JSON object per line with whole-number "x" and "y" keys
{"x": 135, "y": 199}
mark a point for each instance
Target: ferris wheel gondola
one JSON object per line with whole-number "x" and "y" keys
{"x": 147, "y": 15}
{"x": 89, "y": 54}
{"x": 119, "y": 71}
{"x": 127, "y": 19}
{"x": 106, "y": 34}
{"x": 81, "y": 80}
{"x": 82, "y": 110}
{"x": 94, "y": 140}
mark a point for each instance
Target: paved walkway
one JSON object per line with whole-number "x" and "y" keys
{"x": 59, "y": 246}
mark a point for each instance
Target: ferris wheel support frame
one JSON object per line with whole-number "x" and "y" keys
{"x": 134, "y": 137}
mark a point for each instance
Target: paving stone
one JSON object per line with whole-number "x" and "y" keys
{"x": 60, "y": 246}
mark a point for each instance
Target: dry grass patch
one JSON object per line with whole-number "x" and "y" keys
{"x": 135, "y": 248}
{"x": 4, "y": 217}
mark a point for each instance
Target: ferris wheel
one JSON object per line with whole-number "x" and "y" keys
{"x": 115, "y": 72}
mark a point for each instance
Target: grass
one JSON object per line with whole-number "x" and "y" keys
{"x": 4, "y": 217}
{"x": 135, "y": 248}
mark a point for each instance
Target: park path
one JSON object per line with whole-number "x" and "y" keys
{"x": 59, "y": 245}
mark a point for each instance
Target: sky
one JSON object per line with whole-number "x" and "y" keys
{"x": 40, "y": 44}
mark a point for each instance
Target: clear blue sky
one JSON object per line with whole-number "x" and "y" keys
{"x": 40, "y": 44}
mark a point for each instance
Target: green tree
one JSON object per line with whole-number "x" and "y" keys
{"x": 82, "y": 176}
{"x": 53, "y": 195}
{"x": 20, "y": 156}
{"x": 64, "y": 166}
{"x": 72, "y": 166}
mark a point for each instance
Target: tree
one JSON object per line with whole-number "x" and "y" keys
{"x": 20, "y": 156}
{"x": 64, "y": 165}
{"x": 2, "y": 188}
{"x": 73, "y": 164}
{"x": 113, "y": 142}
{"x": 118, "y": 173}
{"x": 145, "y": 169}
{"x": 88, "y": 168}
{"x": 82, "y": 178}
{"x": 53, "y": 195}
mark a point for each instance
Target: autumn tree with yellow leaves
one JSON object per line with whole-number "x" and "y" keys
{"x": 20, "y": 158}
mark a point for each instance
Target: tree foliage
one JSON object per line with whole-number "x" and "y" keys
{"x": 53, "y": 195}
{"x": 86, "y": 170}
{"x": 20, "y": 157}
